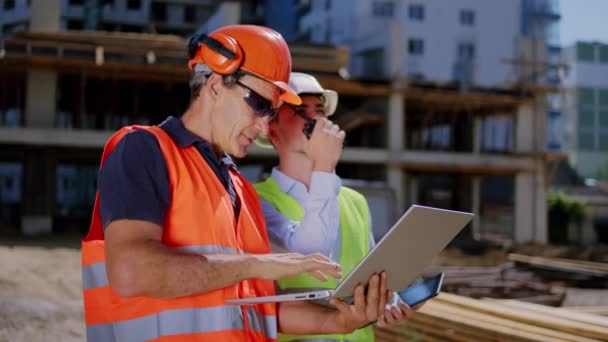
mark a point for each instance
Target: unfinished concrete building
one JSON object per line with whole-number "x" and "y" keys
{"x": 421, "y": 143}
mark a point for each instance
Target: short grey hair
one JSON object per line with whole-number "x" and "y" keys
{"x": 199, "y": 79}
{"x": 202, "y": 73}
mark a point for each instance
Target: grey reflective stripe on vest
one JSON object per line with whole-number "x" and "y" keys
{"x": 94, "y": 275}
{"x": 208, "y": 249}
{"x": 267, "y": 325}
{"x": 182, "y": 321}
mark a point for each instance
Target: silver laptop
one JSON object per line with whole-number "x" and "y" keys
{"x": 403, "y": 253}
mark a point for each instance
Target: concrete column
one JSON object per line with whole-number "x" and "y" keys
{"x": 477, "y": 134}
{"x": 530, "y": 190}
{"x": 530, "y": 207}
{"x": 540, "y": 195}
{"x": 396, "y": 136}
{"x": 396, "y": 180}
{"x": 46, "y": 15}
{"x": 540, "y": 143}
{"x": 41, "y": 98}
{"x": 40, "y": 107}
{"x": 524, "y": 129}
{"x": 413, "y": 190}
{"x": 476, "y": 206}
{"x": 524, "y": 208}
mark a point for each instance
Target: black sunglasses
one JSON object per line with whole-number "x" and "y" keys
{"x": 309, "y": 126}
{"x": 260, "y": 105}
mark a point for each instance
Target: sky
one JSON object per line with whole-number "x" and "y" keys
{"x": 583, "y": 20}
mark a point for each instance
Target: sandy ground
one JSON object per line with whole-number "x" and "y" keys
{"x": 40, "y": 291}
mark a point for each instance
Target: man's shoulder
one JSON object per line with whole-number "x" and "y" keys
{"x": 136, "y": 145}
{"x": 139, "y": 136}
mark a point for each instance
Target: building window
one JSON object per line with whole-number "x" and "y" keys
{"x": 416, "y": 12}
{"x": 107, "y": 2}
{"x": 466, "y": 51}
{"x": 603, "y": 53}
{"x": 464, "y": 66}
{"x": 592, "y": 119}
{"x": 9, "y": 4}
{"x": 415, "y": 46}
{"x": 327, "y": 5}
{"x": 467, "y": 17}
{"x": 586, "y": 139}
{"x": 585, "y": 52}
{"x": 190, "y": 14}
{"x": 15, "y": 27}
{"x": 75, "y": 25}
{"x": 373, "y": 62}
{"x": 134, "y": 4}
{"x": 75, "y": 189}
{"x": 383, "y": 8}
{"x": 159, "y": 11}
{"x": 76, "y": 2}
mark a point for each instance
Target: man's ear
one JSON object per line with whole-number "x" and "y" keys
{"x": 214, "y": 85}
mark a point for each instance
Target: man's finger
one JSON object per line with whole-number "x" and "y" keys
{"x": 390, "y": 316}
{"x": 383, "y": 293}
{"x": 359, "y": 301}
{"x": 319, "y": 275}
{"x": 321, "y": 257}
{"x": 372, "y": 298}
{"x": 407, "y": 310}
{"x": 393, "y": 314}
{"x": 328, "y": 268}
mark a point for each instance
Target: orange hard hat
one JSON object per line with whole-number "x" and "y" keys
{"x": 258, "y": 50}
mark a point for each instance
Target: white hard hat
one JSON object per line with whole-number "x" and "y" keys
{"x": 305, "y": 84}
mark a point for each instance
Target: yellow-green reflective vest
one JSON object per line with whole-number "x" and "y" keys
{"x": 355, "y": 229}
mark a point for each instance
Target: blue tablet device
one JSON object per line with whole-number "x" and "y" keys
{"x": 423, "y": 290}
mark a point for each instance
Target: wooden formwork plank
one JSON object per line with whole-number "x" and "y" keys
{"x": 468, "y": 329}
{"x": 554, "y": 323}
{"x": 450, "y": 331}
{"x": 557, "y": 312}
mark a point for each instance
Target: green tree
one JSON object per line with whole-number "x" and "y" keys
{"x": 563, "y": 211}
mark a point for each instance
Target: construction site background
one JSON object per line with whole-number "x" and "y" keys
{"x": 436, "y": 111}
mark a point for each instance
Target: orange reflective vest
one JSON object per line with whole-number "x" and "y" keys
{"x": 200, "y": 220}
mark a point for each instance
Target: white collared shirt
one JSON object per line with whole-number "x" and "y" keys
{"x": 319, "y": 230}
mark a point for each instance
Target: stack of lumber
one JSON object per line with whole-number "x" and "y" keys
{"x": 590, "y": 268}
{"x": 601, "y": 310}
{"x": 502, "y": 281}
{"x": 450, "y": 317}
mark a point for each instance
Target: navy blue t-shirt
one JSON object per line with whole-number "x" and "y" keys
{"x": 134, "y": 182}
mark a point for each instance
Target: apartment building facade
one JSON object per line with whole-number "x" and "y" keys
{"x": 586, "y": 119}
{"x": 465, "y": 44}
